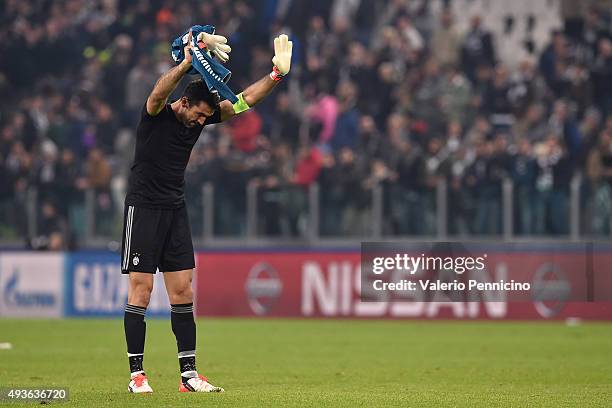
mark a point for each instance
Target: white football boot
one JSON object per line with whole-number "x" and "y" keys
{"x": 139, "y": 384}
{"x": 198, "y": 384}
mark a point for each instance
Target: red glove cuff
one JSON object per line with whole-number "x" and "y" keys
{"x": 275, "y": 75}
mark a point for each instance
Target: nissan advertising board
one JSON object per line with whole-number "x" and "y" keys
{"x": 327, "y": 284}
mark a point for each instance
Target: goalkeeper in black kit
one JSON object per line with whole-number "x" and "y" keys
{"x": 156, "y": 232}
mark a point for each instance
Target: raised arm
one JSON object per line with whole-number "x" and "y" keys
{"x": 260, "y": 89}
{"x": 164, "y": 86}
{"x": 168, "y": 82}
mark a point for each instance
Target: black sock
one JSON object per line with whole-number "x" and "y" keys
{"x": 135, "y": 329}
{"x": 184, "y": 329}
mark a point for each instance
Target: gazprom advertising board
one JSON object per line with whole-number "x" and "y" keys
{"x": 31, "y": 284}
{"x": 96, "y": 287}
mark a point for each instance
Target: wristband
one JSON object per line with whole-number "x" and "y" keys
{"x": 275, "y": 75}
{"x": 241, "y": 105}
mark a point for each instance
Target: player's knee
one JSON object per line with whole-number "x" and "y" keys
{"x": 143, "y": 297}
{"x": 182, "y": 293}
{"x": 140, "y": 293}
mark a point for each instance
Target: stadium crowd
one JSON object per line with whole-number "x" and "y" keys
{"x": 382, "y": 93}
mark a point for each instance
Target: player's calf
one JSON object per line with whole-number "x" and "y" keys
{"x": 135, "y": 329}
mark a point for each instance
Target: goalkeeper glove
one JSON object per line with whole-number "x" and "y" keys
{"x": 282, "y": 57}
{"x": 217, "y": 44}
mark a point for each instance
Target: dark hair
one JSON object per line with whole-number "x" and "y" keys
{"x": 197, "y": 92}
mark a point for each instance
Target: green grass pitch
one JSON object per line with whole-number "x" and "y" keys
{"x": 320, "y": 363}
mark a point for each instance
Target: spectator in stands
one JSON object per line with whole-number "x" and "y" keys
{"x": 446, "y": 41}
{"x": 411, "y": 38}
{"x": 285, "y": 128}
{"x": 45, "y": 173}
{"x": 98, "y": 172}
{"x": 370, "y": 141}
{"x": 563, "y": 124}
{"x": 324, "y": 111}
{"x": 552, "y": 185}
{"x": 525, "y": 87}
{"x": 456, "y": 96}
{"x": 477, "y": 48}
{"x": 599, "y": 173}
{"x": 360, "y": 69}
{"x": 428, "y": 95}
{"x": 347, "y": 122}
{"x": 553, "y": 61}
{"x": 496, "y": 98}
{"x": 601, "y": 73}
{"x": 475, "y": 180}
{"x": 69, "y": 184}
{"x": 405, "y": 196}
{"x": 524, "y": 172}
{"x": 106, "y": 127}
{"x": 532, "y": 125}
{"x": 354, "y": 200}
{"x": 330, "y": 196}
{"x": 53, "y": 230}
{"x": 436, "y": 169}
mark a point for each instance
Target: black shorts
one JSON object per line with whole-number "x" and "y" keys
{"x": 156, "y": 238}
